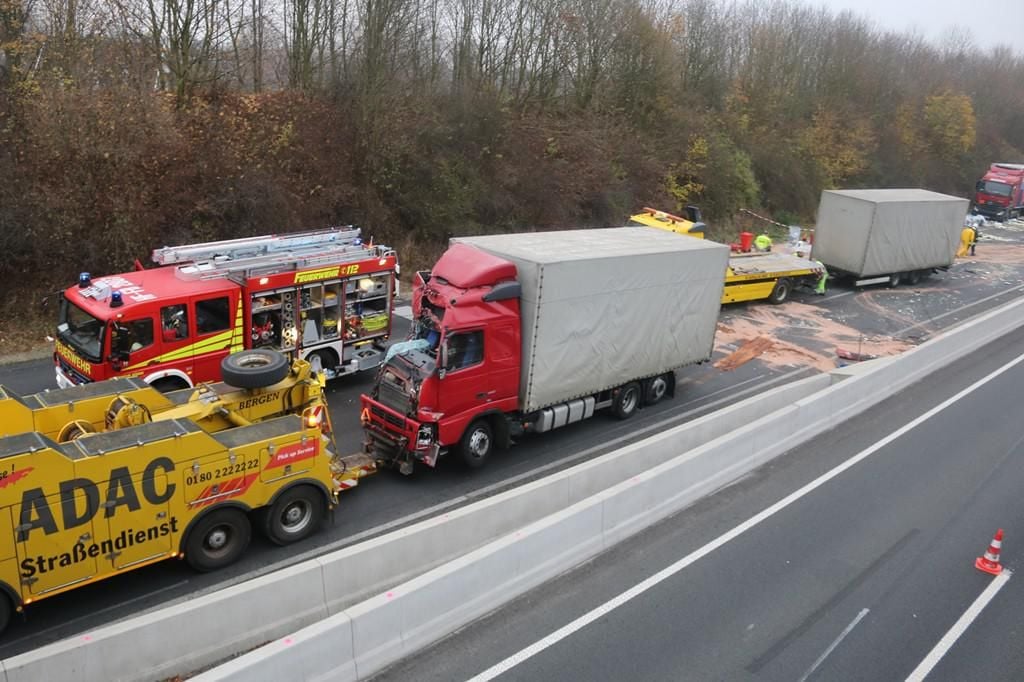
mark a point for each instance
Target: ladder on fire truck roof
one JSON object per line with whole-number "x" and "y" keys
{"x": 268, "y": 255}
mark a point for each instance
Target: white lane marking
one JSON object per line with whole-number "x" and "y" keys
{"x": 668, "y": 572}
{"x": 959, "y": 628}
{"x": 404, "y": 311}
{"x": 93, "y": 614}
{"x": 832, "y": 647}
{"x": 959, "y": 310}
{"x": 637, "y": 434}
{"x": 483, "y": 492}
{"x": 731, "y": 388}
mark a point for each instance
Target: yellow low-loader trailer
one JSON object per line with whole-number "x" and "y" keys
{"x": 750, "y": 276}
{"x": 84, "y": 503}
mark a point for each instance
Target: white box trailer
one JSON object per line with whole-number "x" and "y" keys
{"x": 603, "y": 307}
{"x": 878, "y": 235}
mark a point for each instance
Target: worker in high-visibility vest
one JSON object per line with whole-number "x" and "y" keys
{"x": 762, "y": 242}
{"x": 819, "y": 287}
{"x": 968, "y": 240}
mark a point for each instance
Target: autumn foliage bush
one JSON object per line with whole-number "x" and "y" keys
{"x": 113, "y": 143}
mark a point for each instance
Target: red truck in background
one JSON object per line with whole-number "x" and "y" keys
{"x": 523, "y": 333}
{"x": 999, "y": 194}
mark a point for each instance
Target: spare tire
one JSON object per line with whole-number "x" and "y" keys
{"x": 257, "y": 368}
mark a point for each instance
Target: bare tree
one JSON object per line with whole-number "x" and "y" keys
{"x": 306, "y": 30}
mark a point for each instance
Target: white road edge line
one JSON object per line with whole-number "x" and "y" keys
{"x": 473, "y": 495}
{"x": 834, "y": 644}
{"x": 753, "y": 521}
{"x": 962, "y": 308}
{"x": 959, "y": 628}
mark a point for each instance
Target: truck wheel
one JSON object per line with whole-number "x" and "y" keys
{"x": 655, "y": 389}
{"x": 168, "y": 384}
{"x": 894, "y": 280}
{"x": 781, "y": 291}
{"x": 294, "y": 516}
{"x": 217, "y": 540}
{"x": 256, "y": 368}
{"x": 914, "y": 277}
{"x": 6, "y": 609}
{"x": 328, "y": 359}
{"x": 627, "y": 400}
{"x": 477, "y": 444}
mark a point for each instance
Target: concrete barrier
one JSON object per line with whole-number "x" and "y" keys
{"x": 397, "y": 623}
{"x": 262, "y": 609}
{"x": 704, "y": 455}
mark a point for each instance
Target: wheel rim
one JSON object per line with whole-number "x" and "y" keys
{"x": 254, "y": 361}
{"x": 629, "y": 400}
{"x": 479, "y": 443}
{"x": 218, "y": 540}
{"x": 296, "y": 517}
{"x": 658, "y": 388}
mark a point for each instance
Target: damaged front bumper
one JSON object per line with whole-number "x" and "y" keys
{"x": 396, "y": 440}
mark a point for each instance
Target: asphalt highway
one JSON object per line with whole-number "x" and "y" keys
{"x": 388, "y": 500}
{"x": 850, "y": 558}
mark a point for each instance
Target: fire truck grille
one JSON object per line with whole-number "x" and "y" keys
{"x": 71, "y": 373}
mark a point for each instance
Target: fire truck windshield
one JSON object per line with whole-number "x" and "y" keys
{"x": 1000, "y": 189}
{"x": 81, "y": 331}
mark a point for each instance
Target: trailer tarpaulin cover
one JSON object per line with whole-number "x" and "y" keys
{"x": 871, "y": 232}
{"x": 601, "y": 307}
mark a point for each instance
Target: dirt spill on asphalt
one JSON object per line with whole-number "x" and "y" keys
{"x": 740, "y": 338}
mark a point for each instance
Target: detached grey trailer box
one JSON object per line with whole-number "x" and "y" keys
{"x": 887, "y": 232}
{"x": 603, "y": 307}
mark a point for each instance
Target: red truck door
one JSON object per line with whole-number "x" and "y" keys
{"x": 214, "y": 332}
{"x": 134, "y": 344}
{"x": 175, "y": 338}
{"x": 467, "y": 384}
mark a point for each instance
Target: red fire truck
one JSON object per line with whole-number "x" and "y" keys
{"x": 323, "y": 296}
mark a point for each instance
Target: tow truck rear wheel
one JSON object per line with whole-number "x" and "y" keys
{"x": 217, "y": 540}
{"x": 781, "y": 291}
{"x": 254, "y": 368}
{"x": 294, "y": 516}
{"x": 6, "y": 609}
{"x": 627, "y": 400}
{"x": 477, "y": 444}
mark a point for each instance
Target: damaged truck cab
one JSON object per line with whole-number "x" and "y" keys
{"x": 531, "y": 332}
{"x": 434, "y": 385}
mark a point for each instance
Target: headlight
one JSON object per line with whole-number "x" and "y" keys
{"x": 425, "y": 436}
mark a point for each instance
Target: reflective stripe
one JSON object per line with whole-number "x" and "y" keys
{"x": 200, "y": 348}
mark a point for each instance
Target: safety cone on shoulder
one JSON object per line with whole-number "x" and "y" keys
{"x": 990, "y": 561}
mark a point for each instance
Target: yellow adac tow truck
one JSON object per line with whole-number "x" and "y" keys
{"x": 770, "y": 276}
{"x": 106, "y": 477}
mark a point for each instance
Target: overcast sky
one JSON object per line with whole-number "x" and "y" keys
{"x": 989, "y": 21}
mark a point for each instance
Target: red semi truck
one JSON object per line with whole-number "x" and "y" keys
{"x": 1000, "y": 192}
{"x": 524, "y": 333}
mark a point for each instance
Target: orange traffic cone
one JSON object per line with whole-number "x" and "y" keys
{"x": 990, "y": 562}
